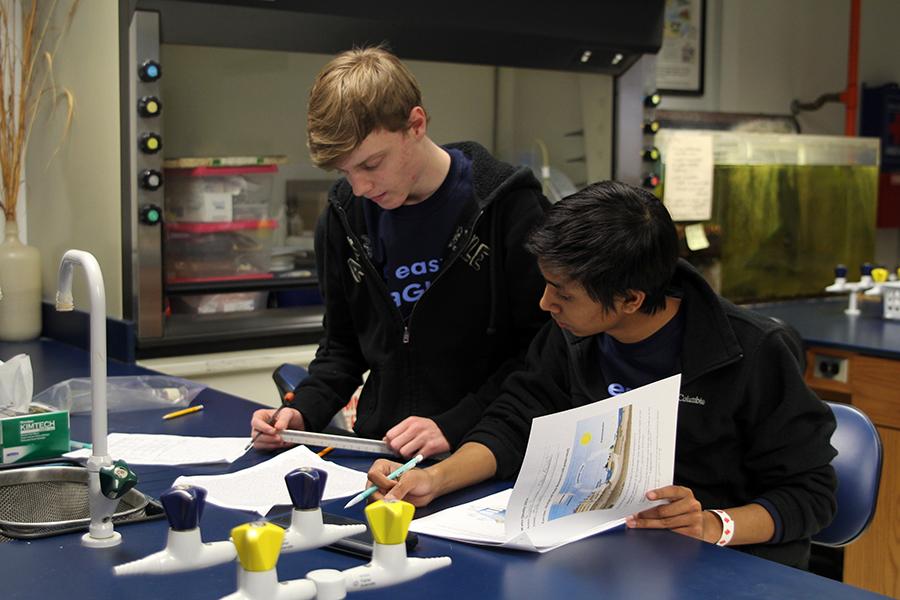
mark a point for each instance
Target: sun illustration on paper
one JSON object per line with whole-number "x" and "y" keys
{"x": 586, "y": 438}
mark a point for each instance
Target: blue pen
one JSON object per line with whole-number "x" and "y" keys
{"x": 394, "y": 475}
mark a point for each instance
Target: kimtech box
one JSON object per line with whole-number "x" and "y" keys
{"x": 35, "y": 435}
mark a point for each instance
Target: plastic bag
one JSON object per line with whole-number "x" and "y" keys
{"x": 136, "y": 392}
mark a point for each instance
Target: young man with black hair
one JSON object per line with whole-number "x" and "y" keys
{"x": 752, "y": 439}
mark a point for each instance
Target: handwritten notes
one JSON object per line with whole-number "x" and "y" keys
{"x": 688, "y": 159}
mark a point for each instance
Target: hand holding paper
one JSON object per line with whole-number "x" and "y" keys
{"x": 585, "y": 470}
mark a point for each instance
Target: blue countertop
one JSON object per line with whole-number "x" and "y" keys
{"x": 617, "y": 564}
{"x": 822, "y": 322}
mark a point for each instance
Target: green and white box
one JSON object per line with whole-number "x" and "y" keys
{"x": 34, "y": 436}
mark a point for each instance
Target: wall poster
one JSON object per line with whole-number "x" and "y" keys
{"x": 679, "y": 64}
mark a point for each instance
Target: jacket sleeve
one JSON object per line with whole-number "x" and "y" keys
{"x": 336, "y": 371}
{"x": 519, "y": 317}
{"x": 540, "y": 389}
{"x": 788, "y": 446}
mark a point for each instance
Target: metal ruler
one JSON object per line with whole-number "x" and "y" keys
{"x": 342, "y": 442}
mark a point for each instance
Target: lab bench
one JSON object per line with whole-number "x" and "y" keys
{"x": 617, "y": 564}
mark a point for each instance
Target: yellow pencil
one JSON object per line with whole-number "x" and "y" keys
{"x": 324, "y": 451}
{"x": 184, "y": 411}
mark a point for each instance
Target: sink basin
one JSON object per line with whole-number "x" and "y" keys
{"x": 46, "y": 500}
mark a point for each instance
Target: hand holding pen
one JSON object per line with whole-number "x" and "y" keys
{"x": 393, "y": 475}
{"x": 264, "y": 420}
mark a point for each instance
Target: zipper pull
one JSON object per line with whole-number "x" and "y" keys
{"x": 405, "y": 334}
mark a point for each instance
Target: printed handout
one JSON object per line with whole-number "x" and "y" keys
{"x": 260, "y": 487}
{"x": 584, "y": 471}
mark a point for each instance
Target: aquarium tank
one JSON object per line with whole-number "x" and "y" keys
{"x": 786, "y": 209}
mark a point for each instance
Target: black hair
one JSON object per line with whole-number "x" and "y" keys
{"x": 610, "y": 238}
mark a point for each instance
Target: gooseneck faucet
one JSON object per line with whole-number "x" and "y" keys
{"x": 107, "y": 480}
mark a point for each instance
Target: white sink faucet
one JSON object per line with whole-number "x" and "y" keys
{"x": 107, "y": 481}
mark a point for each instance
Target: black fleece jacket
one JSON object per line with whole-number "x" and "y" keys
{"x": 748, "y": 426}
{"x": 466, "y": 333}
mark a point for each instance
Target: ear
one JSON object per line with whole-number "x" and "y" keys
{"x": 418, "y": 121}
{"x": 633, "y": 301}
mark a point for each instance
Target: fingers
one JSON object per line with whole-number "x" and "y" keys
{"x": 417, "y": 435}
{"x": 260, "y": 421}
{"x": 289, "y": 418}
{"x": 401, "y": 435}
{"x": 269, "y": 438}
{"x": 416, "y": 486}
{"x": 682, "y": 513}
{"x": 379, "y": 471}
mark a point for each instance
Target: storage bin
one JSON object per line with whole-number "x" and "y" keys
{"x": 196, "y": 252}
{"x": 207, "y": 304}
{"x": 219, "y": 194}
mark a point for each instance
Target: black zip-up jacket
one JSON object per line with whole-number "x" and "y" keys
{"x": 466, "y": 333}
{"x": 748, "y": 426}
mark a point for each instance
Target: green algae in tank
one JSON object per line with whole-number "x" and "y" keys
{"x": 785, "y": 227}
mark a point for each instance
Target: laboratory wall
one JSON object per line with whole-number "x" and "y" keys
{"x": 760, "y": 55}
{"x": 73, "y": 184}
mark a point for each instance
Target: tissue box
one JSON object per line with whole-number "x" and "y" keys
{"x": 34, "y": 435}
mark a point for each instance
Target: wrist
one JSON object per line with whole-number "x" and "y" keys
{"x": 725, "y": 527}
{"x": 438, "y": 479}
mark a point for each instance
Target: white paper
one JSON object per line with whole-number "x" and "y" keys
{"x": 170, "y": 450}
{"x": 695, "y": 236}
{"x": 584, "y": 471}
{"x": 262, "y": 486}
{"x": 16, "y": 384}
{"x": 687, "y": 192}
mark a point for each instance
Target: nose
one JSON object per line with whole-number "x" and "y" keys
{"x": 546, "y": 303}
{"x": 361, "y": 186}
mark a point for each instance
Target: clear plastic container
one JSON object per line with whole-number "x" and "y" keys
{"x": 208, "y": 304}
{"x": 219, "y": 194}
{"x": 198, "y": 252}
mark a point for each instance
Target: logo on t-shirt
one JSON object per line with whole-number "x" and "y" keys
{"x": 475, "y": 252}
{"x": 414, "y": 278}
{"x": 615, "y": 389}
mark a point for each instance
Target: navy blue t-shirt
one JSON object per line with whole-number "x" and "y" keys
{"x": 408, "y": 243}
{"x": 629, "y": 366}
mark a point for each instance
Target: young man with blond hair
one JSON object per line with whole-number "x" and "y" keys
{"x": 421, "y": 265}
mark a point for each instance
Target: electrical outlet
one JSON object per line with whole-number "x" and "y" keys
{"x": 830, "y": 367}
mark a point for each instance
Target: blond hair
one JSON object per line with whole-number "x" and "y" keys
{"x": 356, "y": 93}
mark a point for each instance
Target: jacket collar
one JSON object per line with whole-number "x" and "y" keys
{"x": 709, "y": 339}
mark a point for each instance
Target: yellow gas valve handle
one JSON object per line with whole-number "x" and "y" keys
{"x": 258, "y": 545}
{"x": 389, "y": 521}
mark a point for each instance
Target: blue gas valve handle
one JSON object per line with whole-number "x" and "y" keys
{"x": 840, "y": 271}
{"x": 184, "y": 506}
{"x": 306, "y": 486}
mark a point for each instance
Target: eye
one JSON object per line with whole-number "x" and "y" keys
{"x": 371, "y": 166}
{"x": 563, "y": 297}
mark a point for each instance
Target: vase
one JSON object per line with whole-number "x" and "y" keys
{"x": 20, "y": 285}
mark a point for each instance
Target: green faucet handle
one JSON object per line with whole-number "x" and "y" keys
{"x": 117, "y": 479}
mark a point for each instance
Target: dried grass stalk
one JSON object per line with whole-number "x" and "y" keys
{"x": 23, "y": 41}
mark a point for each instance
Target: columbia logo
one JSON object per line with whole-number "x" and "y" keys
{"x": 692, "y": 399}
